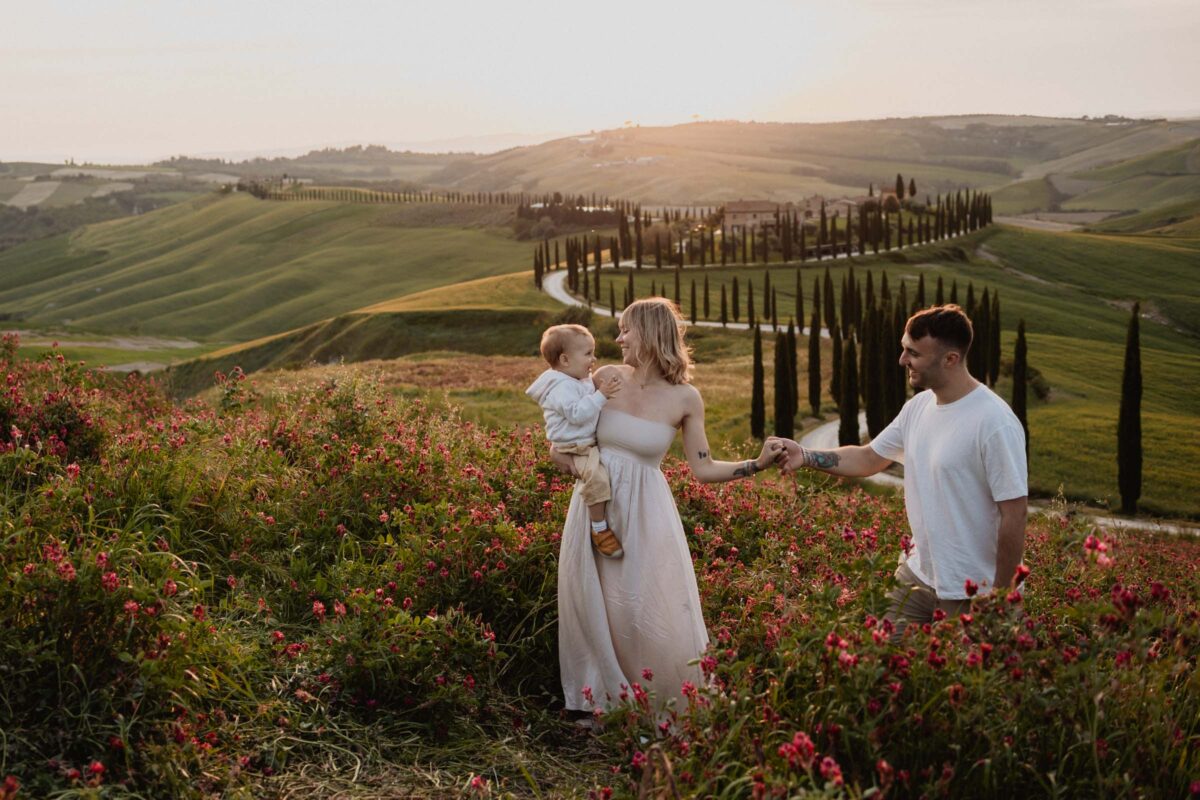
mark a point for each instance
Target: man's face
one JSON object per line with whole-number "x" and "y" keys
{"x": 926, "y": 360}
{"x": 579, "y": 357}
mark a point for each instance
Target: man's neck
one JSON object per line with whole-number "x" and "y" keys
{"x": 959, "y": 386}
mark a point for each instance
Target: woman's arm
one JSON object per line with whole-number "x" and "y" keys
{"x": 699, "y": 457}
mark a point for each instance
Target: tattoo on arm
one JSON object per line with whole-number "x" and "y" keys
{"x": 703, "y": 455}
{"x": 821, "y": 459}
{"x": 745, "y": 469}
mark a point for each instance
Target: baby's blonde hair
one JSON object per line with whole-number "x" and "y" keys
{"x": 659, "y": 326}
{"x": 555, "y": 340}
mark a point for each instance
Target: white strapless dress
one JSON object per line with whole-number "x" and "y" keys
{"x": 620, "y": 617}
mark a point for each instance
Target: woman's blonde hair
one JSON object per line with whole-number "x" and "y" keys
{"x": 659, "y": 327}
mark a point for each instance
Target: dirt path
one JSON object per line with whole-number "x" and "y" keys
{"x": 1038, "y": 224}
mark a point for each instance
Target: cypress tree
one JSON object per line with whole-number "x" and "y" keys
{"x": 632, "y": 296}
{"x": 750, "y": 302}
{"x": 678, "y": 304}
{"x": 794, "y": 387}
{"x": 921, "y": 291}
{"x": 612, "y": 299}
{"x": 954, "y": 291}
{"x": 993, "y": 361}
{"x": 724, "y": 308}
{"x": 537, "y": 270}
{"x": 835, "y": 379}
{"x": 707, "y": 315}
{"x": 694, "y": 301}
{"x": 817, "y": 303}
{"x": 735, "y": 302}
{"x": 849, "y": 232}
{"x": 940, "y": 296}
{"x": 783, "y": 395}
{"x": 774, "y": 312}
{"x": 829, "y": 310}
{"x": 803, "y": 243}
{"x": 766, "y": 245}
{"x": 757, "y": 402}
{"x": 912, "y": 187}
{"x": 814, "y": 363}
{"x": 899, "y": 187}
{"x": 799, "y": 299}
{"x": 1020, "y": 376}
{"x": 848, "y": 429}
{"x": 1129, "y": 420}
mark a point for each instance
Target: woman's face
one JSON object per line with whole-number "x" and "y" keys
{"x": 628, "y": 340}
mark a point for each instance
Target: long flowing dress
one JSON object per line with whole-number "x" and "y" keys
{"x": 619, "y": 617}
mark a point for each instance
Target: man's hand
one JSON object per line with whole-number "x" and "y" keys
{"x": 609, "y": 387}
{"x": 563, "y": 462}
{"x": 789, "y": 456}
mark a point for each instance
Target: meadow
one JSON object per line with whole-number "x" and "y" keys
{"x": 303, "y": 585}
{"x": 225, "y": 269}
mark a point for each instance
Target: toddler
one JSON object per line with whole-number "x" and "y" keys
{"x": 571, "y": 404}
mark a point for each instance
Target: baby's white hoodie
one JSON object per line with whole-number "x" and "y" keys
{"x": 570, "y": 406}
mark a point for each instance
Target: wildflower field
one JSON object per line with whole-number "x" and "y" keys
{"x": 324, "y": 588}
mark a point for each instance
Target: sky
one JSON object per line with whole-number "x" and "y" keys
{"x": 129, "y": 82}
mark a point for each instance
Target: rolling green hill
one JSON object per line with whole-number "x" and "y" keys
{"x": 710, "y": 162}
{"x": 234, "y": 268}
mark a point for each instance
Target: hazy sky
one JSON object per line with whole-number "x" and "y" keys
{"x": 128, "y": 81}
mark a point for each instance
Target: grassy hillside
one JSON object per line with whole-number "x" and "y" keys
{"x": 1181, "y": 160}
{"x": 1180, "y": 220}
{"x": 711, "y": 162}
{"x": 236, "y": 268}
{"x": 1036, "y": 194}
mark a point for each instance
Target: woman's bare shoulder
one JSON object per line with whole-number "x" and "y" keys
{"x": 688, "y": 397}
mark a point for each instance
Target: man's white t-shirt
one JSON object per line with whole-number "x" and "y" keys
{"x": 960, "y": 459}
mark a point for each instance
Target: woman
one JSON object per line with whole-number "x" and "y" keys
{"x": 638, "y": 619}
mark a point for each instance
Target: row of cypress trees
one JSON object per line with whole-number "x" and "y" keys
{"x": 950, "y": 216}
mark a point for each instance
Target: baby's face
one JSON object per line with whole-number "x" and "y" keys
{"x": 579, "y": 357}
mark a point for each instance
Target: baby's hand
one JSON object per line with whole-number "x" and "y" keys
{"x": 609, "y": 387}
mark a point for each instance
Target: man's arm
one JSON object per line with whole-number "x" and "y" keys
{"x": 849, "y": 461}
{"x": 1010, "y": 540}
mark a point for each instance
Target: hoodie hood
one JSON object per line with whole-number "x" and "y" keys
{"x": 545, "y": 382}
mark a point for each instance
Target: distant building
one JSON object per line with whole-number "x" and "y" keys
{"x": 748, "y": 214}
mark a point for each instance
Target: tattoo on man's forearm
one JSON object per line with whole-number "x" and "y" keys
{"x": 703, "y": 454}
{"x": 821, "y": 459}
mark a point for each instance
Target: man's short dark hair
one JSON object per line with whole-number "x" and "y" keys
{"x": 949, "y": 324}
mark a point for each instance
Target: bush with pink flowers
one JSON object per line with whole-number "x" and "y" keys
{"x": 321, "y": 580}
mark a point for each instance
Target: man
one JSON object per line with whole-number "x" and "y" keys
{"x": 965, "y": 474}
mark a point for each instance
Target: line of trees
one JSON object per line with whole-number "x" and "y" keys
{"x": 682, "y": 238}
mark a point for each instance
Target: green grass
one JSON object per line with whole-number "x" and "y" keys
{"x": 1083, "y": 267}
{"x": 1176, "y": 219}
{"x": 237, "y": 268}
{"x": 359, "y": 337}
{"x": 1181, "y": 160}
{"x": 1139, "y": 193}
{"x": 1037, "y": 194}
{"x": 69, "y": 193}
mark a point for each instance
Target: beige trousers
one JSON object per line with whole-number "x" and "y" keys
{"x": 914, "y": 601}
{"x": 592, "y": 473}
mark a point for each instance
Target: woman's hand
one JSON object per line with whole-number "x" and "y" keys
{"x": 771, "y": 449}
{"x": 563, "y": 462}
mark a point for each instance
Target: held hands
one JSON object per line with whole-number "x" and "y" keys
{"x": 609, "y": 387}
{"x": 789, "y": 456}
{"x": 771, "y": 451}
